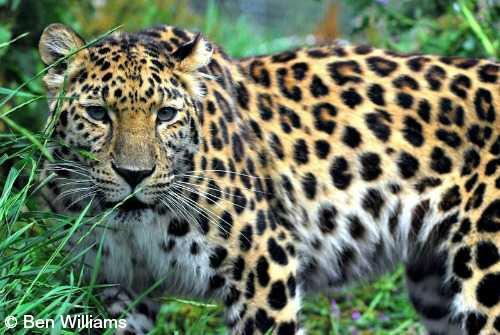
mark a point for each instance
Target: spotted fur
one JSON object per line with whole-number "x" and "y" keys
{"x": 283, "y": 174}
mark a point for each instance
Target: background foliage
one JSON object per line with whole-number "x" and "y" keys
{"x": 35, "y": 277}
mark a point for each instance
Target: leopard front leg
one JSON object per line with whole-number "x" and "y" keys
{"x": 264, "y": 295}
{"x": 139, "y": 316}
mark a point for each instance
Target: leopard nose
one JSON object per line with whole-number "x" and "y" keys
{"x": 132, "y": 177}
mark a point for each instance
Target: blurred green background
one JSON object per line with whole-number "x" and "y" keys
{"x": 32, "y": 279}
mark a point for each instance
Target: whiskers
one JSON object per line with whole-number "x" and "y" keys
{"x": 177, "y": 202}
{"x": 74, "y": 179}
{"x": 177, "y": 199}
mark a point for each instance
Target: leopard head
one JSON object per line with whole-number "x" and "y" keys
{"x": 130, "y": 104}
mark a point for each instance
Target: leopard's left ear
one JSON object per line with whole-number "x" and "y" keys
{"x": 193, "y": 55}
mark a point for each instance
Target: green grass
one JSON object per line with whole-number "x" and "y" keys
{"x": 377, "y": 308}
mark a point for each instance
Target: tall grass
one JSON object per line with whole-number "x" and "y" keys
{"x": 36, "y": 277}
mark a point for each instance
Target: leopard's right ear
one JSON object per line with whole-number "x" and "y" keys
{"x": 57, "y": 41}
{"x": 193, "y": 55}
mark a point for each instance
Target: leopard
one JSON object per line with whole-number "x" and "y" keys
{"x": 256, "y": 181}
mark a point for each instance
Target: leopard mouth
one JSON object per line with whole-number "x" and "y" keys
{"x": 129, "y": 205}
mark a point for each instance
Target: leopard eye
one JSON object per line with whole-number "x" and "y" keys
{"x": 98, "y": 113}
{"x": 167, "y": 114}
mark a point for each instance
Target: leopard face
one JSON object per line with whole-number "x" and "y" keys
{"x": 134, "y": 106}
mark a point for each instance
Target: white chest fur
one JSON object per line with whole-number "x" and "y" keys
{"x": 141, "y": 254}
